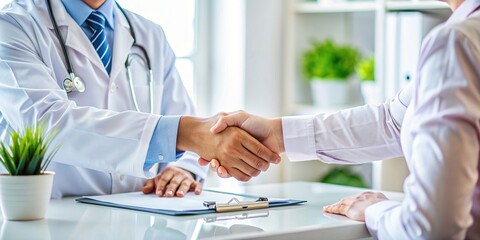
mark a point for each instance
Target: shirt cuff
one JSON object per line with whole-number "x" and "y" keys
{"x": 375, "y": 212}
{"x": 299, "y": 138}
{"x": 163, "y": 145}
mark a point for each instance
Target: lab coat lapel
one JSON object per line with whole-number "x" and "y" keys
{"x": 77, "y": 40}
{"x": 122, "y": 43}
{"x": 73, "y": 35}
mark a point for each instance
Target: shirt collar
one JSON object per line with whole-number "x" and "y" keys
{"x": 464, "y": 10}
{"x": 80, "y": 11}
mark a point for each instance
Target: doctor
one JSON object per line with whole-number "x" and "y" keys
{"x": 434, "y": 122}
{"x": 105, "y": 78}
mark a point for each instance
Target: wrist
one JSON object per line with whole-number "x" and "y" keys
{"x": 188, "y": 129}
{"x": 278, "y": 134}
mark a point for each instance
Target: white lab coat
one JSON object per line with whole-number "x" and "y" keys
{"x": 104, "y": 140}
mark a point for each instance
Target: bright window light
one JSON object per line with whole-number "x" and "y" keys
{"x": 176, "y": 17}
{"x": 178, "y": 20}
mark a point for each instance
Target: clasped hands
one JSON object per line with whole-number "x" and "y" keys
{"x": 239, "y": 145}
{"x": 242, "y": 155}
{"x": 269, "y": 133}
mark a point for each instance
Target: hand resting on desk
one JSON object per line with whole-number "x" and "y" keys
{"x": 172, "y": 181}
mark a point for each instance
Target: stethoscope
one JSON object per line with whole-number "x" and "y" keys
{"x": 74, "y": 83}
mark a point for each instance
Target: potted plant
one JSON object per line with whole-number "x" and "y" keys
{"x": 328, "y": 67}
{"x": 25, "y": 191}
{"x": 343, "y": 175}
{"x": 366, "y": 74}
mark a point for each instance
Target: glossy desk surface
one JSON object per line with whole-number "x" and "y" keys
{"x": 67, "y": 219}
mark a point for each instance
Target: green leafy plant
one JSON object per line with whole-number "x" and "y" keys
{"x": 329, "y": 61}
{"x": 26, "y": 153}
{"x": 343, "y": 176}
{"x": 366, "y": 69}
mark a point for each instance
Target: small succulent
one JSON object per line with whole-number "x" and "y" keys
{"x": 26, "y": 153}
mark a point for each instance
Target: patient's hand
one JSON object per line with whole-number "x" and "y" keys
{"x": 172, "y": 181}
{"x": 267, "y": 131}
{"x": 354, "y": 207}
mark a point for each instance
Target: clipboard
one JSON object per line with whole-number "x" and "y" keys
{"x": 191, "y": 204}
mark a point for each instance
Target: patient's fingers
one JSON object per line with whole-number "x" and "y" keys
{"x": 223, "y": 173}
{"x": 203, "y": 161}
{"x": 234, "y": 119}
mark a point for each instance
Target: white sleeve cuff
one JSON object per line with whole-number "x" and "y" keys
{"x": 375, "y": 212}
{"x": 299, "y": 138}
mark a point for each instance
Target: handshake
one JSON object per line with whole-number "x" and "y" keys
{"x": 236, "y": 144}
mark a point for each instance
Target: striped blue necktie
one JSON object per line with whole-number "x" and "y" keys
{"x": 96, "y": 22}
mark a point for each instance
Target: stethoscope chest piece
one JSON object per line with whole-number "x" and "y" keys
{"x": 73, "y": 84}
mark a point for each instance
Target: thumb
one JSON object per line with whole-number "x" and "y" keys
{"x": 235, "y": 119}
{"x": 148, "y": 187}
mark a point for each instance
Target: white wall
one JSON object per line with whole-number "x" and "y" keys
{"x": 227, "y": 55}
{"x": 264, "y": 57}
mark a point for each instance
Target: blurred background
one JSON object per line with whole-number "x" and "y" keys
{"x": 286, "y": 57}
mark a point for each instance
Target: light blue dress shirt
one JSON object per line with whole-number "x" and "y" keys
{"x": 162, "y": 147}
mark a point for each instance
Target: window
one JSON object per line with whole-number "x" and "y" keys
{"x": 179, "y": 20}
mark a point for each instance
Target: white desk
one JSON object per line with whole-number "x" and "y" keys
{"x": 67, "y": 219}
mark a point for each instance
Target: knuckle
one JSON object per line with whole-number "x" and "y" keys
{"x": 259, "y": 151}
{"x": 260, "y": 164}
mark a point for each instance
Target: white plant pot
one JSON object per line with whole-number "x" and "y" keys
{"x": 330, "y": 93}
{"x": 25, "y": 197}
{"x": 371, "y": 92}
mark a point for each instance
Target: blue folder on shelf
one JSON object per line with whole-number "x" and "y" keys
{"x": 210, "y": 201}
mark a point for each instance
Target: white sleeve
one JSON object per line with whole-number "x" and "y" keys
{"x": 356, "y": 135}
{"x": 443, "y": 152}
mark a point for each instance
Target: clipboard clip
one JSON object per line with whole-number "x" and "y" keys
{"x": 235, "y": 205}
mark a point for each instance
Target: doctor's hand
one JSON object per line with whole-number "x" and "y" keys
{"x": 354, "y": 206}
{"x": 172, "y": 181}
{"x": 267, "y": 131}
{"x": 240, "y": 154}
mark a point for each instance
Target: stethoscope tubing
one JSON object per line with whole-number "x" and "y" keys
{"x": 74, "y": 83}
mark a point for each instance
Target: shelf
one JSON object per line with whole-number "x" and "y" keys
{"x": 415, "y": 5}
{"x": 359, "y": 6}
{"x": 336, "y": 7}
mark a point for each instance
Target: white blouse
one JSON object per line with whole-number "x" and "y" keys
{"x": 434, "y": 122}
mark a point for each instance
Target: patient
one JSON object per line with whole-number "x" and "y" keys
{"x": 434, "y": 123}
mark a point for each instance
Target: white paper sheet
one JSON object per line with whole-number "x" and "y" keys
{"x": 190, "y": 202}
